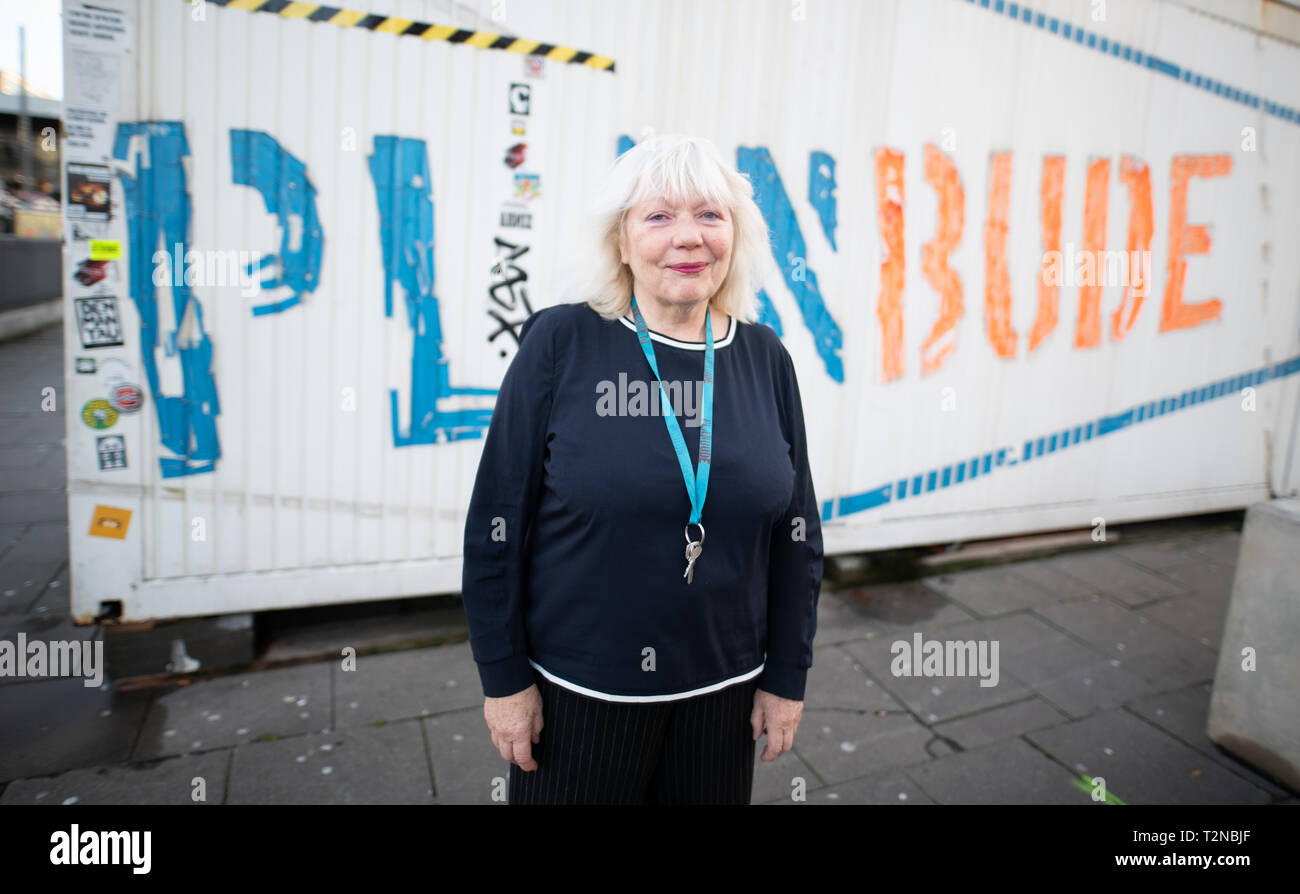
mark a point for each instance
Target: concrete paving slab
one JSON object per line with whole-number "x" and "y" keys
{"x": 10, "y": 535}
{"x": 990, "y": 592}
{"x": 412, "y": 683}
{"x": 774, "y": 780}
{"x": 31, "y": 564}
{"x": 1184, "y": 714}
{"x": 886, "y": 787}
{"x": 466, "y": 765}
{"x": 1160, "y": 656}
{"x": 1083, "y": 691}
{"x": 1001, "y": 722}
{"x": 37, "y": 506}
{"x": 1048, "y": 576}
{"x": 1033, "y": 651}
{"x": 33, "y": 426}
{"x": 26, "y": 456}
{"x": 838, "y": 680}
{"x": 1159, "y": 555}
{"x": 934, "y": 699}
{"x": 1071, "y": 676}
{"x": 1113, "y": 630}
{"x": 43, "y": 469}
{"x": 1222, "y": 548}
{"x": 61, "y": 724}
{"x": 1198, "y": 618}
{"x": 840, "y": 745}
{"x": 1143, "y": 764}
{"x": 1173, "y": 670}
{"x": 1205, "y": 578}
{"x": 225, "y": 711}
{"x": 168, "y": 781}
{"x": 1110, "y": 575}
{"x": 385, "y": 764}
{"x": 866, "y": 611}
{"x": 1008, "y": 772}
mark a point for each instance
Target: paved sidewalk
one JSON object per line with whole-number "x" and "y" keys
{"x": 1106, "y": 656}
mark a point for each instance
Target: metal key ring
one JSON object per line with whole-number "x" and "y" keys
{"x": 686, "y": 530}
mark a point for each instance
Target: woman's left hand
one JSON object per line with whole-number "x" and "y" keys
{"x": 780, "y": 717}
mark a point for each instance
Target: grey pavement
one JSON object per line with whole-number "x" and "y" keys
{"x": 1105, "y": 660}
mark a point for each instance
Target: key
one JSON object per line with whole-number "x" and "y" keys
{"x": 693, "y": 550}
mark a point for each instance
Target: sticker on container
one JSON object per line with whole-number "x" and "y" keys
{"x": 528, "y": 186}
{"x": 85, "y": 230}
{"x": 86, "y": 365}
{"x": 110, "y": 521}
{"x": 535, "y": 66}
{"x": 126, "y": 398}
{"x": 114, "y": 371}
{"x": 98, "y": 413}
{"x": 105, "y": 249}
{"x": 90, "y": 272}
{"x": 517, "y": 126}
{"x": 515, "y": 155}
{"x": 88, "y": 192}
{"x": 112, "y": 452}
{"x": 514, "y": 216}
{"x": 98, "y": 322}
{"x": 520, "y": 98}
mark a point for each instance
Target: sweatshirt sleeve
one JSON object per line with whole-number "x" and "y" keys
{"x": 501, "y": 507}
{"x": 795, "y": 564}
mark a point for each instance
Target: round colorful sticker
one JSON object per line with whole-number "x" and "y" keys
{"x": 126, "y": 398}
{"x": 98, "y": 413}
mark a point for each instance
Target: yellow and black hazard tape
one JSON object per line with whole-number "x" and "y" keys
{"x": 484, "y": 40}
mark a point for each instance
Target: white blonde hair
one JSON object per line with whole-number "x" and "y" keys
{"x": 681, "y": 169}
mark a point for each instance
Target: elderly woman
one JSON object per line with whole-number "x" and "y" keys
{"x": 641, "y": 573}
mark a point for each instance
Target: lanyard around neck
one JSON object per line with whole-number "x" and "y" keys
{"x": 697, "y": 485}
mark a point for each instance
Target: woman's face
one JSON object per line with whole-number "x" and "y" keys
{"x": 679, "y": 254}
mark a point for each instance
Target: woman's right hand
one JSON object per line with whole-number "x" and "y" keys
{"x": 516, "y": 722}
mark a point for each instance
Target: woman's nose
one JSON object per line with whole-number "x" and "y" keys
{"x": 688, "y": 234}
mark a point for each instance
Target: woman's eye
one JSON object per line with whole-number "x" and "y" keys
{"x": 715, "y": 214}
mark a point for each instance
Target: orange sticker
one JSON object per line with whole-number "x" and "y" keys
{"x": 109, "y": 521}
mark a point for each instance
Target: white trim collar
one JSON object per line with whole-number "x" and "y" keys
{"x": 687, "y": 345}
{"x": 605, "y": 696}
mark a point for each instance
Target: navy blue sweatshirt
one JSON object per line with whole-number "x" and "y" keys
{"x": 574, "y": 541}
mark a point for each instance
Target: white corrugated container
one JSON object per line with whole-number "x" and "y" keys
{"x": 315, "y": 441}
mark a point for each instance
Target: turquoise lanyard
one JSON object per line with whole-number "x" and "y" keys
{"x": 697, "y": 485}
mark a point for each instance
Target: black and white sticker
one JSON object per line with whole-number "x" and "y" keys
{"x": 112, "y": 452}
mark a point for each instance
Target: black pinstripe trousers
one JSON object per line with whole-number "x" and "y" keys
{"x": 698, "y": 750}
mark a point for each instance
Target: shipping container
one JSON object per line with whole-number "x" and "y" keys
{"x": 1036, "y": 263}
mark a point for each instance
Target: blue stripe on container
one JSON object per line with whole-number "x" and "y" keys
{"x": 1059, "y": 440}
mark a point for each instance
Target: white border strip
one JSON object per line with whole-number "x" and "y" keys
{"x": 605, "y": 696}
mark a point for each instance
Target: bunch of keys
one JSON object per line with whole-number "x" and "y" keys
{"x": 693, "y": 550}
